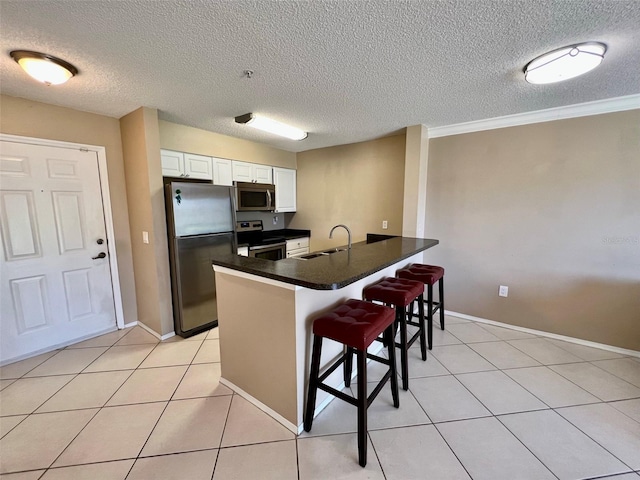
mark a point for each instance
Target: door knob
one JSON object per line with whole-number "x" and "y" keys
{"x": 100, "y": 241}
{"x": 100, "y": 255}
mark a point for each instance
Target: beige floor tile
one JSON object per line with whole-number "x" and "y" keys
{"x": 445, "y": 399}
{"x": 499, "y": 393}
{"x": 126, "y": 357}
{"x": 460, "y": 359}
{"x": 442, "y": 337}
{"x": 544, "y": 351}
{"x": 87, "y": 390}
{"x": 170, "y": 354}
{"x": 382, "y": 413}
{"x": 248, "y": 424}
{"x": 115, "y": 433}
{"x": 631, "y": 408}
{"x": 613, "y": 430}
{"x": 490, "y": 452}
{"x": 27, "y": 394}
{"x": 626, "y": 476}
{"x": 177, "y": 338}
{"x": 471, "y": 333}
{"x": 187, "y": 425}
{"x": 419, "y": 368}
{"x": 149, "y": 385}
{"x": 39, "y": 439}
{"x": 32, "y": 475}
{"x": 67, "y": 362}
{"x": 505, "y": 333}
{"x": 9, "y": 423}
{"x": 105, "y": 340}
{"x": 503, "y": 355}
{"x": 182, "y": 466}
{"x": 584, "y": 352}
{"x": 625, "y": 368}
{"x": 5, "y": 383}
{"x": 336, "y": 457}
{"x": 266, "y": 461}
{"x": 598, "y": 382}
{"x": 450, "y": 319}
{"x": 209, "y": 352}
{"x": 564, "y": 449}
{"x": 18, "y": 369}
{"x": 336, "y": 418}
{"x": 201, "y": 381}
{"x": 213, "y": 333}
{"x": 550, "y": 387}
{"x": 136, "y": 336}
{"x": 416, "y": 453}
{"x": 96, "y": 471}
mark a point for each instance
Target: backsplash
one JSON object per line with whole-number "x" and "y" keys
{"x": 267, "y": 219}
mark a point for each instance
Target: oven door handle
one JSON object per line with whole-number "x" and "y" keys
{"x": 271, "y": 246}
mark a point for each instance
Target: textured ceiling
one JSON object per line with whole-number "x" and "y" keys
{"x": 345, "y": 71}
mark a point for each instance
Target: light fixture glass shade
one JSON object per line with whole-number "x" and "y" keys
{"x": 44, "y": 68}
{"x": 272, "y": 126}
{"x": 564, "y": 63}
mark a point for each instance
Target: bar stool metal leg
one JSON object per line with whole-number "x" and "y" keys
{"x": 423, "y": 340}
{"x": 313, "y": 382}
{"x": 362, "y": 407}
{"x": 429, "y": 315}
{"x": 441, "y": 293}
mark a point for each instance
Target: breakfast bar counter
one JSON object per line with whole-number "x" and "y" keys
{"x": 266, "y": 309}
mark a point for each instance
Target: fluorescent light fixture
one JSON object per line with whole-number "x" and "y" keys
{"x": 271, "y": 126}
{"x": 565, "y": 63}
{"x": 44, "y": 68}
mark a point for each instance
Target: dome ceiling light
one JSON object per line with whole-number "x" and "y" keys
{"x": 565, "y": 63}
{"x": 271, "y": 126}
{"x": 45, "y": 68}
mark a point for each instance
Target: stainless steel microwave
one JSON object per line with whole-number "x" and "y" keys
{"x": 252, "y": 197}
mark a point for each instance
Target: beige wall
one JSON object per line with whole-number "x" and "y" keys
{"x": 140, "y": 146}
{"x": 39, "y": 120}
{"x": 551, "y": 210}
{"x": 360, "y": 185}
{"x": 202, "y": 142}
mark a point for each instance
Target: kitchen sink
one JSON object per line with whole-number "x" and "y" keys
{"x": 333, "y": 250}
{"x": 309, "y": 256}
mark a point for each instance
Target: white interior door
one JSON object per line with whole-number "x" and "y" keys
{"x": 52, "y": 288}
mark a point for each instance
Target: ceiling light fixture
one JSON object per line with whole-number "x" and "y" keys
{"x": 564, "y": 63}
{"x": 45, "y": 68}
{"x": 272, "y": 126}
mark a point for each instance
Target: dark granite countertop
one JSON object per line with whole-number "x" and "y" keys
{"x": 287, "y": 233}
{"x": 331, "y": 272}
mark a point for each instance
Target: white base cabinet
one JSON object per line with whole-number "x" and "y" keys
{"x": 297, "y": 247}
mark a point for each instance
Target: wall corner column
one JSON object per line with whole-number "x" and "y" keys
{"x": 415, "y": 181}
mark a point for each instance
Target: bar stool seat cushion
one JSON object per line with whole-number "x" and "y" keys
{"x": 355, "y": 323}
{"x": 396, "y": 291}
{"x": 428, "y": 274}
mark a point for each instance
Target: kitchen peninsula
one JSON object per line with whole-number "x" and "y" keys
{"x": 266, "y": 310}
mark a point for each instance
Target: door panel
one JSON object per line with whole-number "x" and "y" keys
{"x": 51, "y": 217}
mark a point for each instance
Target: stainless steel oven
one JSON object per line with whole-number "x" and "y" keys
{"x": 275, "y": 251}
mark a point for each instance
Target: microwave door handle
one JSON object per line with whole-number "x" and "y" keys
{"x": 268, "y": 199}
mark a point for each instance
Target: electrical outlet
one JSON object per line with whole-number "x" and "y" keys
{"x": 145, "y": 237}
{"x": 275, "y": 219}
{"x": 385, "y": 224}
{"x": 503, "y": 291}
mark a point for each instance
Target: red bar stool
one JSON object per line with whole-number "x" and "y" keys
{"x": 429, "y": 275}
{"x": 401, "y": 293}
{"x": 356, "y": 324}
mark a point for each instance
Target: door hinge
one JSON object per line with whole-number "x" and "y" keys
{"x": 83, "y": 149}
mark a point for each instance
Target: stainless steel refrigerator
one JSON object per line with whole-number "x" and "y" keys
{"x": 200, "y": 224}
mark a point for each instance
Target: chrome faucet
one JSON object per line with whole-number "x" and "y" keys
{"x": 346, "y": 228}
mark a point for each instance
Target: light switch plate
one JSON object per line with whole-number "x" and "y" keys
{"x": 385, "y": 224}
{"x": 145, "y": 237}
{"x": 503, "y": 291}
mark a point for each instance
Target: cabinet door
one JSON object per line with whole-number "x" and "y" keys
{"x": 222, "y": 172}
{"x": 285, "y": 182}
{"x": 172, "y": 163}
{"x": 262, "y": 174}
{"x": 298, "y": 243}
{"x": 197, "y": 166}
{"x": 242, "y": 171}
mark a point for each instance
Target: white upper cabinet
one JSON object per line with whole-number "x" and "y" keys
{"x": 197, "y": 166}
{"x": 185, "y": 165}
{"x": 251, "y": 172}
{"x": 172, "y": 163}
{"x": 285, "y": 182}
{"x": 222, "y": 171}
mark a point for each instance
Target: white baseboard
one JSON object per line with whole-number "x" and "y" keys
{"x": 541, "y": 333}
{"x": 268, "y": 410}
{"x": 154, "y": 333}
